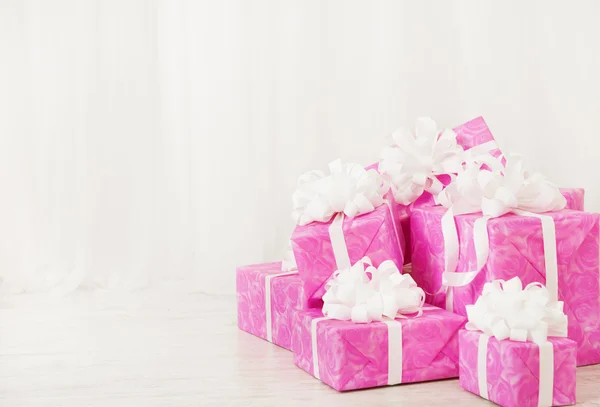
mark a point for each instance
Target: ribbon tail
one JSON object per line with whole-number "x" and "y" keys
{"x": 482, "y": 251}
{"x": 338, "y": 242}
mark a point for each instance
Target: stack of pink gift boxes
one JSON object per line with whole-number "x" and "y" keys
{"x": 445, "y": 259}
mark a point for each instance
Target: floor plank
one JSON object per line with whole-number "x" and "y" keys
{"x": 169, "y": 348}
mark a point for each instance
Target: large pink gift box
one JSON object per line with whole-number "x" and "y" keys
{"x": 513, "y": 370}
{"x": 516, "y": 250}
{"x": 356, "y": 356}
{"x": 372, "y": 234}
{"x": 252, "y": 284}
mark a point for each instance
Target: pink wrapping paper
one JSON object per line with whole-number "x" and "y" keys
{"x": 285, "y": 298}
{"x": 372, "y": 234}
{"x": 516, "y": 249}
{"x": 355, "y": 356}
{"x": 513, "y": 370}
{"x": 575, "y": 198}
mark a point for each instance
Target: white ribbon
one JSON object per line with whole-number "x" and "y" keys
{"x": 394, "y": 329}
{"x": 507, "y": 311}
{"x": 495, "y": 194}
{"x": 268, "y": 306}
{"x": 414, "y": 160}
{"x": 363, "y": 293}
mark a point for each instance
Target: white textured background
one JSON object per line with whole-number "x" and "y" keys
{"x": 150, "y": 140}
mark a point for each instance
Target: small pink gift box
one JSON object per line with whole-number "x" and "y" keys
{"x": 353, "y": 356}
{"x": 512, "y": 376}
{"x": 517, "y": 250}
{"x": 262, "y": 288}
{"x": 377, "y": 235}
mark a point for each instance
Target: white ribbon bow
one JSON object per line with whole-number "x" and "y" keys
{"x": 495, "y": 193}
{"x": 506, "y": 310}
{"x": 363, "y": 293}
{"x": 414, "y": 160}
{"x": 349, "y": 189}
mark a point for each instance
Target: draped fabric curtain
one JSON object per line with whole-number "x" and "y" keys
{"x": 149, "y": 141}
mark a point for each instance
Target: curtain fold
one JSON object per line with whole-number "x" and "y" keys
{"x": 147, "y": 141}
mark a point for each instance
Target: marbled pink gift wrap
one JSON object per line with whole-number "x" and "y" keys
{"x": 575, "y": 198}
{"x": 355, "y": 356}
{"x": 516, "y": 250}
{"x": 251, "y": 301}
{"x": 513, "y": 370}
{"x": 372, "y": 234}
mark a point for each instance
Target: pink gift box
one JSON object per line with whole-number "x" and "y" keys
{"x": 516, "y": 250}
{"x": 372, "y": 234}
{"x": 251, "y": 286}
{"x": 575, "y": 198}
{"x": 356, "y": 356}
{"x": 513, "y": 370}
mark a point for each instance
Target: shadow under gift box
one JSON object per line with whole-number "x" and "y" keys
{"x": 513, "y": 370}
{"x": 517, "y": 250}
{"x": 354, "y": 356}
{"x": 251, "y": 287}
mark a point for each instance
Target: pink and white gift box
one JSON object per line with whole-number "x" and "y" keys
{"x": 510, "y": 374}
{"x": 376, "y": 234}
{"x": 473, "y": 134}
{"x": 267, "y": 299}
{"x": 349, "y": 356}
{"x": 516, "y": 249}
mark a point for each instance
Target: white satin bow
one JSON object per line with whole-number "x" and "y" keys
{"x": 495, "y": 193}
{"x": 363, "y": 293}
{"x": 412, "y": 163}
{"x": 349, "y": 189}
{"x": 506, "y": 310}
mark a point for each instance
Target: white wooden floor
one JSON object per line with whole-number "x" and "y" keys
{"x": 164, "y": 348}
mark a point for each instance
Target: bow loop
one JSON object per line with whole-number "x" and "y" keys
{"x": 412, "y": 163}
{"x": 364, "y": 293}
{"x": 507, "y": 310}
{"x": 348, "y": 189}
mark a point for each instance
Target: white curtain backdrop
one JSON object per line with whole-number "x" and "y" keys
{"x": 146, "y": 141}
